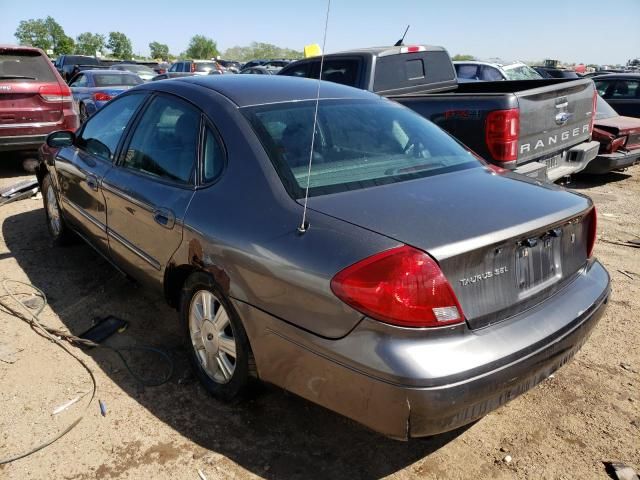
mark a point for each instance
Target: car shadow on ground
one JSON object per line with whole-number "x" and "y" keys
{"x": 584, "y": 181}
{"x": 274, "y": 435}
{"x": 11, "y": 163}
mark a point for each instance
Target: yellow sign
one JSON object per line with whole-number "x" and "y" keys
{"x": 313, "y": 50}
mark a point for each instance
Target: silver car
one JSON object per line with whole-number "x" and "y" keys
{"x": 423, "y": 289}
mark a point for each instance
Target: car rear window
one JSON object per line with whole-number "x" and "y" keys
{"x": 113, "y": 80}
{"x": 358, "y": 144}
{"x": 25, "y": 66}
{"x": 205, "y": 66}
{"x": 80, "y": 60}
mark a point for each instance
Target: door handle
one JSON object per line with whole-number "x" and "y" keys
{"x": 92, "y": 182}
{"x": 164, "y": 217}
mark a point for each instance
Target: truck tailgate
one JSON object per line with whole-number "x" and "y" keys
{"x": 553, "y": 118}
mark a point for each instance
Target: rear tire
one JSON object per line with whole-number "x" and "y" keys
{"x": 216, "y": 340}
{"x": 58, "y": 229}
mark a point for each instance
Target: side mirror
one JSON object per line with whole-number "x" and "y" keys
{"x": 61, "y": 138}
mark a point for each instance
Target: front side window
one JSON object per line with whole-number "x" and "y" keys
{"x": 601, "y": 87}
{"x": 490, "y": 74}
{"x": 522, "y": 72}
{"x": 358, "y": 144}
{"x": 79, "y": 81}
{"x": 165, "y": 141}
{"x": 101, "y": 133}
{"x": 467, "y": 71}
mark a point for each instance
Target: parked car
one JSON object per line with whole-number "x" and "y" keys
{"x": 276, "y": 63}
{"x": 69, "y": 65}
{"x": 159, "y": 68}
{"x": 400, "y": 302}
{"x": 144, "y": 72}
{"x": 230, "y": 65}
{"x": 621, "y": 91}
{"x": 550, "y": 72}
{"x": 34, "y": 99}
{"x": 92, "y": 89}
{"x": 199, "y": 67}
{"x": 167, "y": 75}
{"x": 474, "y": 70}
{"x": 260, "y": 70}
{"x": 619, "y": 139}
{"x": 540, "y": 128}
{"x": 254, "y": 63}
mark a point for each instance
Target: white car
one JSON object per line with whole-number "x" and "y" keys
{"x": 475, "y": 70}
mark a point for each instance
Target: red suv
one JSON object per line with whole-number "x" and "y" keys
{"x": 34, "y": 100}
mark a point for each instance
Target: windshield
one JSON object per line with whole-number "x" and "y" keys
{"x": 521, "y": 72}
{"x": 358, "y": 144}
{"x": 604, "y": 110}
{"x": 113, "y": 80}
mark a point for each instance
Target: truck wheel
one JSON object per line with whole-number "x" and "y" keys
{"x": 58, "y": 229}
{"x": 217, "y": 343}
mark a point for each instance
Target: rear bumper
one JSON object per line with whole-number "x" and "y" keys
{"x": 31, "y": 137}
{"x": 606, "y": 163}
{"x": 569, "y": 162}
{"x": 410, "y": 383}
{"x": 21, "y": 142}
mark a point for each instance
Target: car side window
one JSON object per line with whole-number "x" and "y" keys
{"x": 299, "y": 70}
{"x": 173, "y": 68}
{"x": 467, "y": 71}
{"x": 625, "y": 89}
{"x": 601, "y": 87}
{"x": 490, "y": 74}
{"x": 79, "y": 81}
{"x": 165, "y": 142}
{"x": 102, "y": 132}
{"x": 213, "y": 157}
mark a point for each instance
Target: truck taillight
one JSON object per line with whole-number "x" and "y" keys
{"x": 402, "y": 286}
{"x": 55, "y": 93}
{"x": 502, "y": 129}
{"x": 592, "y": 218}
{"x": 102, "y": 97}
{"x": 594, "y": 104}
{"x": 413, "y": 49}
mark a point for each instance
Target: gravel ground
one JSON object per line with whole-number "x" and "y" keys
{"x": 589, "y": 412}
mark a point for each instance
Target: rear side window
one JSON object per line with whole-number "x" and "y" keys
{"x": 213, "y": 156}
{"x": 102, "y": 132}
{"x": 358, "y": 144}
{"x": 165, "y": 141}
{"x": 25, "y": 66}
{"x": 625, "y": 89}
{"x": 490, "y": 74}
{"x": 469, "y": 72}
{"x": 299, "y": 70}
{"x": 113, "y": 80}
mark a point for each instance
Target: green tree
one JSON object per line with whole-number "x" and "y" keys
{"x": 88, "y": 43}
{"x": 45, "y": 34}
{"x": 120, "y": 45}
{"x": 159, "y": 50}
{"x": 463, "y": 57}
{"x": 261, "y": 50}
{"x": 202, "y": 47}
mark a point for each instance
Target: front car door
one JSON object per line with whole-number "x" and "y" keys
{"x": 80, "y": 168}
{"x": 148, "y": 191}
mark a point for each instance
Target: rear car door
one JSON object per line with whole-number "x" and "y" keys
{"x": 624, "y": 96}
{"x": 80, "y": 169}
{"x": 148, "y": 192}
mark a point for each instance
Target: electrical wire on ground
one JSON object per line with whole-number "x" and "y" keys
{"x": 57, "y": 336}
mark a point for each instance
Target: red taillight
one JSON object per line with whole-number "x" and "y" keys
{"x": 413, "y": 49}
{"x": 102, "y": 97}
{"x": 594, "y": 104}
{"x": 402, "y": 286}
{"x": 55, "y": 93}
{"x": 593, "y": 224}
{"x": 193, "y": 67}
{"x": 502, "y": 129}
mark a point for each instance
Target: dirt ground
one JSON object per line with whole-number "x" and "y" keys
{"x": 589, "y": 412}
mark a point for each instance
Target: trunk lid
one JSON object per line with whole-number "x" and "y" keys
{"x": 621, "y": 126}
{"x": 554, "y": 118}
{"x": 504, "y": 245}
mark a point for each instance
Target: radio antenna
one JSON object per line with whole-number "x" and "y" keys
{"x": 304, "y": 226}
{"x": 400, "y": 42}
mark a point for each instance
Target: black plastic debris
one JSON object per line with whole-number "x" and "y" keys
{"x": 18, "y": 191}
{"x": 620, "y": 471}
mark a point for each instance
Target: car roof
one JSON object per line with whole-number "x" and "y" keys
{"x": 384, "y": 51}
{"x": 618, "y": 76}
{"x": 246, "y": 90}
{"x": 105, "y": 70}
{"x": 23, "y": 48}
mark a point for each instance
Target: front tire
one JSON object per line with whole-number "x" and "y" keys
{"x": 58, "y": 229}
{"x": 218, "y": 346}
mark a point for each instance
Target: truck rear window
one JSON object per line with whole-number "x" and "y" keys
{"x": 406, "y": 70}
{"x": 358, "y": 144}
{"x": 80, "y": 60}
{"x": 25, "y": 66}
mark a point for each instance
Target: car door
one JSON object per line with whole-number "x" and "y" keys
{"x": 148, "y": 191}
{"x": 79, "y": 169}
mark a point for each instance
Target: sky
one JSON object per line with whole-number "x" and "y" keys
{"x": 587, "y": 31}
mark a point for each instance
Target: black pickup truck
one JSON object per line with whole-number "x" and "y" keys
{"x": 69, "y": 65}
{"x": 541, "y": 128}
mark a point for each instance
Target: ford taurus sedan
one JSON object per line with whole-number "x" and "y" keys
{"x": 422, "y": 291}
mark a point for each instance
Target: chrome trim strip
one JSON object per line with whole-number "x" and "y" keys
{"x": 151, "y": 261}
{"x": 34, "y": 125}
{"x": 82, "y": 212}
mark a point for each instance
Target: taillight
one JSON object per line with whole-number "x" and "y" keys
{"x": 55, "y": 93}
{"x": 193, "y": 67}
{"x": 402, "y": 286}
{"x": 593, "y": 224}
{"x": 413, "y": 49}
{"x": 502, "y": 129}
{"x": 594, "y": 103}
{"x": 102, "y": 97}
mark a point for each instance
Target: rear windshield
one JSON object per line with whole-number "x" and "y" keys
{"x": 604, "y": 110}
{"x": 25, "y": 66}
{"x": 358, "y": 144}
{"x": 112, "y": 80}
{"x": 205, "y": 66}
{"x": 79, "y": 60}
{"x": 522, "y": 72}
